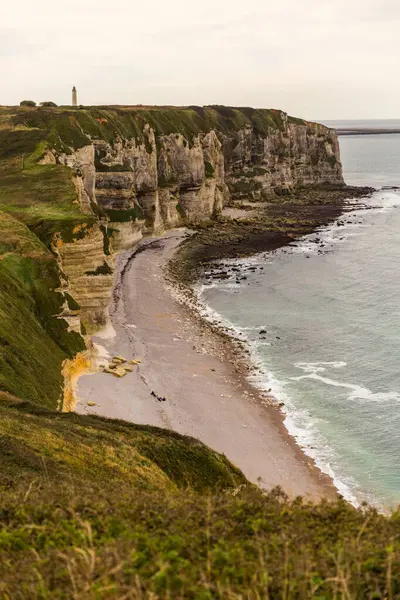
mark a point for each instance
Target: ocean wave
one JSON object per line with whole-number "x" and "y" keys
{"x": 357, "y": 392}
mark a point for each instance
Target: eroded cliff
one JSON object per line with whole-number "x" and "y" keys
{"x": 91, "y": 182}
{"x": 174, "y": 164}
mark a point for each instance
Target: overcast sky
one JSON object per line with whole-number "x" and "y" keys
{"x": 317, "y": 59}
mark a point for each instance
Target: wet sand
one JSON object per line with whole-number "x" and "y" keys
{"x": 207, "y": 394}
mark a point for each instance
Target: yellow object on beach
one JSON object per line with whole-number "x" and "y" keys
{"x": 119, "y": 372}
{"x": 135, "y": 361}
{"x": 119, "y": 359}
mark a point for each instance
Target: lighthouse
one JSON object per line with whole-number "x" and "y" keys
{"x": 74, "y": 97}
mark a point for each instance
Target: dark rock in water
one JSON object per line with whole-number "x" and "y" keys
{"x": 262, "y": 331}
{"x": 278, "y": 338}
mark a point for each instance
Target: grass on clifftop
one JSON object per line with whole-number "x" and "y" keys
{"x": 67, "y": 127}
{"x": 95, "y": 509}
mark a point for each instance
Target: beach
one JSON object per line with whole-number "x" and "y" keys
{"x": 207, "y": 395}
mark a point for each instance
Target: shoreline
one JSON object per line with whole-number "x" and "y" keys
{"x": 212, "y": 398}
{"x": 222, "y": 408}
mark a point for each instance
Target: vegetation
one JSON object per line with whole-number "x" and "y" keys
{"x": 104, "y": 269}
{"x": 296, "y": 121}
{"x": 124, "y": 216}
{"x": 209, "y": 169}
{"x": 33, "y": 343}
{"x": 29, "y": 103}
{"x": 98, "y": 509}
{"x": 36, "y": 202}
{"x": 48, "y": 104}
{"x": 71, "y": 128}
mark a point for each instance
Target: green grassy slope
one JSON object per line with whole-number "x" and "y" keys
{"x": 93, "y": 509}
{"x": 69, "y": 448}
{"x": 36, "y": 201}
{"x": 33, "y": 342}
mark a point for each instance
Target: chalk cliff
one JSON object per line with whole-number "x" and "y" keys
{"x": 170, "y": 176}
{"x": 95, "y": 180}
{"x": 146, "y": 180}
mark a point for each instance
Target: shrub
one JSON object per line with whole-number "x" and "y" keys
{"x": 27, "y": 103}
{"x": 209, "y": 169}
{"x": 48, "y": 104}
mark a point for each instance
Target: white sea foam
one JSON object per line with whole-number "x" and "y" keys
{"x": 357, "y": 392}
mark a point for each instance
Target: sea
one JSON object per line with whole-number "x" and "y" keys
{"x": 323, "y": 327}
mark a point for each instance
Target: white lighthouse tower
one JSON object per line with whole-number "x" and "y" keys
{"x": 74, "y": 97}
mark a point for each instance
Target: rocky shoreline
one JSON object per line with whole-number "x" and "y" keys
{"x": 270, "y": 225}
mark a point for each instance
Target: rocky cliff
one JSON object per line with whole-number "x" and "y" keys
{"x": 90, "y": 182}
{"x": 174, "y": 164}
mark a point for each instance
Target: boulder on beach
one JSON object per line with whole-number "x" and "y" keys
{"x": 119, "y": 359}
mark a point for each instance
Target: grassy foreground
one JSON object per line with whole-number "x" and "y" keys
{"x": 92, "y": 508}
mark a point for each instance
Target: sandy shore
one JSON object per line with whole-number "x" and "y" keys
{"x": 206, "y": 396}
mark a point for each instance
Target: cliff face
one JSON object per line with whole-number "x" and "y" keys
{"x": 152, "y": 181}
{"x": 168, "y": 177}
{"x": 94, "y": 181}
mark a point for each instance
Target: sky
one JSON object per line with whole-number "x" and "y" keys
{"x": 316, "y": 59}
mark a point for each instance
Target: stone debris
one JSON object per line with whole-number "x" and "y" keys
{"x": 91, "y": 403}
{"x": 118, "y": 368}
{"x": 119, "y": 372}
{"x": 135, "y": 361}
{"x": 119, "y": 359}
{"x": 108, "y": 370}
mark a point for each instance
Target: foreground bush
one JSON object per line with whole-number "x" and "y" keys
{"x": 87, "y": 543}
{"x": 92, "y": 508}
